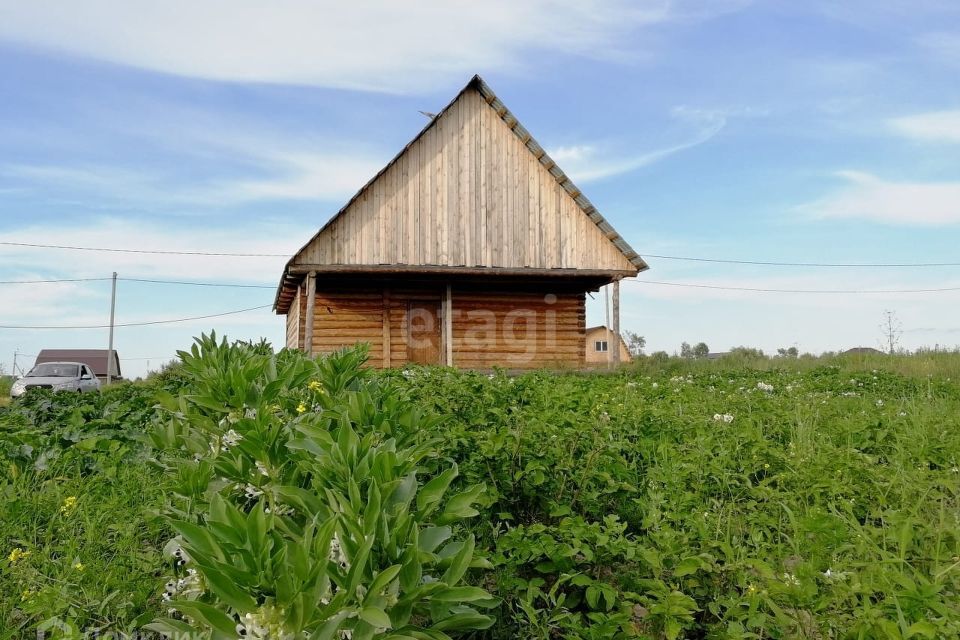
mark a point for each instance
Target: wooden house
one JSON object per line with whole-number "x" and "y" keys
{"x": 471, "y": 248}
{"x": 599, "y": 345}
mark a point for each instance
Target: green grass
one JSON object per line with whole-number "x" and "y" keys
{"x": 616, "y": 505}
{"x": 5, "y": 383}
{"x": 97, "y": 563}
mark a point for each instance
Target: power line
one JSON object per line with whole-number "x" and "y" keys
{"x": 145, "y": 280}
{"x": 221, "y": 254}
{"x": 52, "y": 281}
{"x": 771, "y": 290}
{"x": 201, "y": 284}
{"x": 767, "y": 263}
{"x": 140, "y": 324}
{"x": 227, "y": 254}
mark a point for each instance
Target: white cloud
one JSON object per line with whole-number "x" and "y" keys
{"x": 586, "y": 162}
{"x": 276, "y": 169}
{"x": 934, "y": 126}
{"x": 868, "y": 197}
{"x": 378, "y": 45}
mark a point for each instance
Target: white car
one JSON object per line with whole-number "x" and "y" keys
{"x": 74, "y": 377}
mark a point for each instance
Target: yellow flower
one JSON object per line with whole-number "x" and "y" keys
{"x": 79, "y": 566}
{"x": 766, "y": 465}
{"x": 314, "y": 386}
{"x": 17, "y": 555}
{"x": 26, "y": 595}
{"x": 752, "y": 589}
{"x": 69, "y": 505}
{"x": 301, "y": 408}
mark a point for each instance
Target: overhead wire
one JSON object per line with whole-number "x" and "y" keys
{"x": 775, "y": 290}
{"x": 140, "y": 324}
{"x": 768, "y": 263}
{"x": 53, "y": 280}
{"x": 230, "y": 254}
{"x": 165, "y": 252}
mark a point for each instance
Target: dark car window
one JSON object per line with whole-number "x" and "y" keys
{"x": 54, "y": 370}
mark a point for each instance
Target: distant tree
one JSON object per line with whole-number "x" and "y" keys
{"x": 746, "y": 352}
{"x": 892, "y": 329}
{"x": 635, "y": 343}
{"x": 700, "y": 350}
{"x": 686, "y": 351}
{"x": 790, "y": 352}
{"x": 659, "y": 356}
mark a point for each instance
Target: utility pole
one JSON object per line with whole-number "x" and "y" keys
{"x": 13, "y": 371}
{"x": 113, "y": 309}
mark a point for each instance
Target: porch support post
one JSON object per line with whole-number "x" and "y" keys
{"x": 615, "y": 347}
{"x": 311, "y": 302}
{"x": 386, "y": 329}
{"x": 448, "y": 326}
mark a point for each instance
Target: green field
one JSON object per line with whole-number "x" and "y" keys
{"x": 741, "y": 498}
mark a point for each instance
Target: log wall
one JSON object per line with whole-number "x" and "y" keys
{"x": 513, "y": 329}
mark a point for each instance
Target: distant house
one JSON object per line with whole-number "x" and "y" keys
{"x": 470, "y": 249}
{"x": 600, "y": 343}
{"x": 96, "y": 359}
{"x": 862, "y": 351}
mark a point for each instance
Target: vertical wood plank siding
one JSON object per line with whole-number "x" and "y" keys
{"x": 294, "y": 327}
{"x": 467, "y": 193}
{"x": 495, "y": 328}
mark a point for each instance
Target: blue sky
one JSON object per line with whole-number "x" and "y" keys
{"x": 785, "y": 131}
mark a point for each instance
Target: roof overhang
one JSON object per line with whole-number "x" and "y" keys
{"x": 587, "y": 279}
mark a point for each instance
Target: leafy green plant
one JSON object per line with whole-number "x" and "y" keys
{"x": 301, "y": 510}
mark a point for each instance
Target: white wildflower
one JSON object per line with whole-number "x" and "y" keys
{"x": 252, "y": 492}
{"x": 180, "y": 556}
{"x": 262, "y": 468}
{"x": 902, "y": 414}
{"x": 791, "y": 580}
{"x": 834, "y": 576}
{"x": 763, "y": 386}
{"x": 189, "y": 587}
{"x": 266, "y": 623}
{"x": 723, "y": 417}
{"x": 879, "y": 402}
{"x": 336, "y": 553}
{"x": 654, "y": 385}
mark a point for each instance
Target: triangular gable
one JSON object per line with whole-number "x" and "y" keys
{"x": 472, "y": 189}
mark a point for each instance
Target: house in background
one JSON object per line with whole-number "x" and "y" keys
{"x": 96, "y": 359}
{"x": 862, "y": 351}
{"x": 471, "y": 248}
{"x": 600, "y": 342}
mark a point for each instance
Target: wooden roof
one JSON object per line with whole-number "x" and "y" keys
{"x": 473, "y": 193}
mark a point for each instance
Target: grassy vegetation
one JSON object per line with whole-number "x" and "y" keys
{"x": 737, "y": 498}
{"x": 5, "y": 382}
